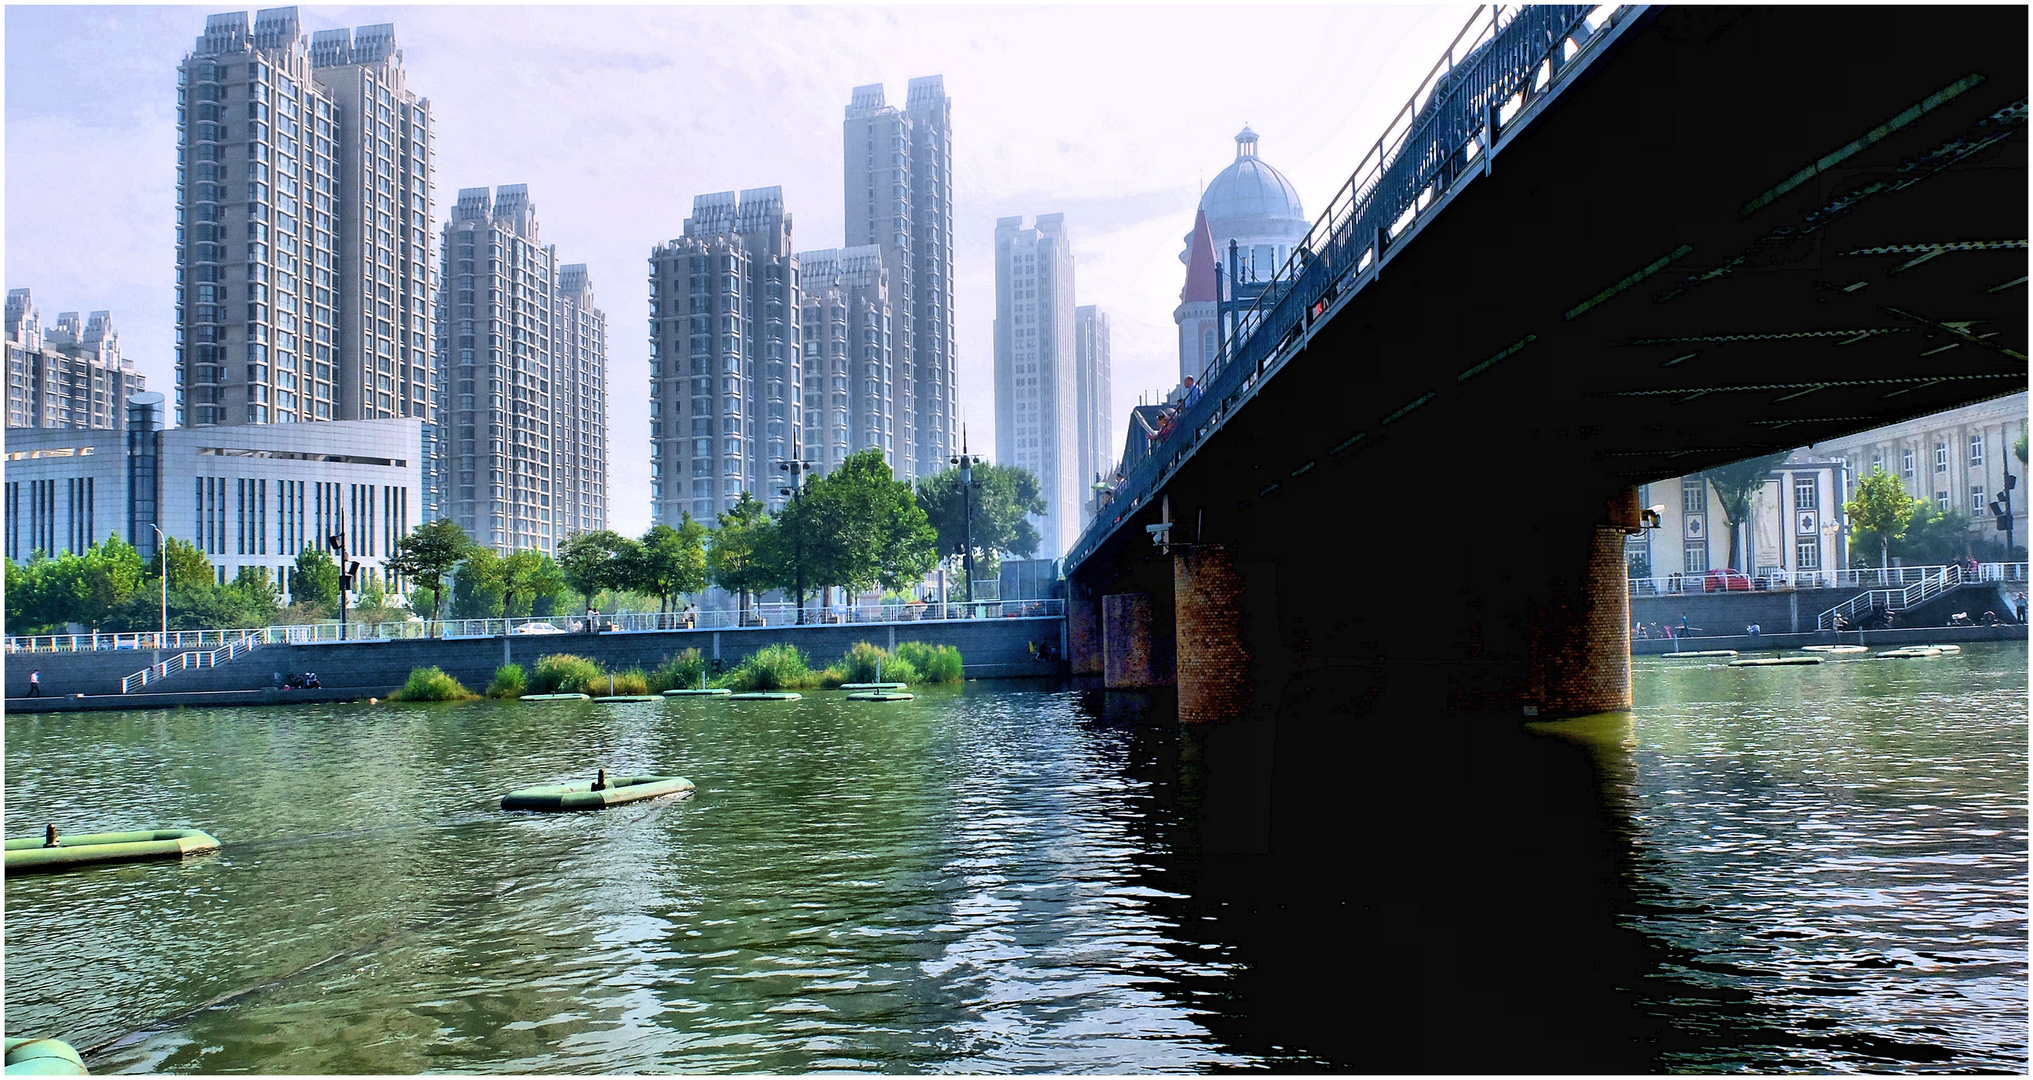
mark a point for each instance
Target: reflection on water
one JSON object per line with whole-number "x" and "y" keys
{"x": 1824, "y": 872}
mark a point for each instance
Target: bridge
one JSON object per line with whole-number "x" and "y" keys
{"x": 1599, "y": 247}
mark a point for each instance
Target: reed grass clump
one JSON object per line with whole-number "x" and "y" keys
{"x": 680, "y": 671}
{"x": 509, "y": 682}
{"x": 431, "y": 684}
{"x": 771, "y": 668}
{"x": 931, "y": 663}
{"x": 563, "y": 673}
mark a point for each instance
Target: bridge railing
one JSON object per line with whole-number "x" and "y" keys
{"x": 1502, "y": 61}
{"x": 226, "y": 642}
{"x": 1872, "y": 577}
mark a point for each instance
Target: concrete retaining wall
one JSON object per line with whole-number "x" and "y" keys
{"x": 990, "y": 648}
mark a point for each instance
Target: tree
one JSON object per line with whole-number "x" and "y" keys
{"x": 736, "y": 559}
{"x": 316, "y": 580}
{"x": 1735, "y": 486}
{"x": 188, "y": 567}
{"x": 526, "y": 575}
{"x": 428, "y": 553}
{"x": 857, "y": 527}
{"x": 1881, "y": 508}
{"x": 1934, "y": 536}
{"x": 1005, "y": 498}
{"x": 592, "y": 561}
{"x": 476, "y": 590}
{"x": 2019, "y": 449}
{"x": 668, "y": 561}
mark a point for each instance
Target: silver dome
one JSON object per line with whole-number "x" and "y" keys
{"x": 1250, "y": 202}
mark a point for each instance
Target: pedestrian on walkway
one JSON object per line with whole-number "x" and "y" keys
{"x": 1752, "y": 630}
{"x": 35, "y": 683}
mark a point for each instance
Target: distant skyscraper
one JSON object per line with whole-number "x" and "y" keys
{"x": 70, "y": 375}
{"x": 1037, "y": 393}
{"x": 579, "y": 409}
{"x": 725, "y": 375}
{"x": 899, "y": 169}
{"x": 1100, "y": 440}
{"x": 304, "y": 289}
{"x": 851, "y": 394}
{"x": 523, "y": 353}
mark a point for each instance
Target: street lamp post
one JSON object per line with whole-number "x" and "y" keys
{"x": 337, "y": 542}
{"x": 797, "y": 467}
{"x": 966, "y": 462}
{"x": 162, "y": 556}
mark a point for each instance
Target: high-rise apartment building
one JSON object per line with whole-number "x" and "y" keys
{"x": 899, "y": 170}
{"x": 725, "y": 375}
{"x": 579, "y": 412}
{"x": 851, "y": 393}
{"x": 523, "y": 366}
{"x": 1037, "y": 391}
{"x": 1100, "y": 440}
{"x": 304, "y": 289}
{"x": 70, "y": 375}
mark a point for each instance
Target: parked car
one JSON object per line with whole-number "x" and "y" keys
{"x": 1726, "y": 579}
{"x": 536, "y": 628}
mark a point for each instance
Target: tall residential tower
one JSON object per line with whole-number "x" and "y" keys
{"x": 899, "y": 198}
{"x": 1037, "y": 387}
{"x": 725, "y": 377}
{"x": 1100, "y": 440}
{"x": 70, "y": 375}
{"x": 304, "y": 287}
{"x": 851, "y": 391}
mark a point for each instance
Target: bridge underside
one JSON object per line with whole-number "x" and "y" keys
{"x": 1739, "y": 232}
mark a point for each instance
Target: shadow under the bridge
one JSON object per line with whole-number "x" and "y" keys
{"x": 1405, "y": 891}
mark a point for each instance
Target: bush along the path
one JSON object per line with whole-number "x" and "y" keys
{"x": 432, "y": 684}
{"x": 932, "y": 663}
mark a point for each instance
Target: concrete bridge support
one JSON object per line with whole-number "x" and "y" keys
{"x": 1133, "y": 642}
{"x": 1083, "y": 633}
{"x": 1215, "y": 662}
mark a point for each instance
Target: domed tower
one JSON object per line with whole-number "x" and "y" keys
{"x": 1253, "y": 205}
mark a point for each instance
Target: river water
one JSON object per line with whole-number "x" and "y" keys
{"x": 1815, "y": 868}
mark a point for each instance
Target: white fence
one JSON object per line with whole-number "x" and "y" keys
{"x": 1893, "y": 577}
{"x": 186, "y": 662}
{"x": 224, "y": 641}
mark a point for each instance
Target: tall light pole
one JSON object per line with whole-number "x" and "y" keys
{"x": 162, "y": 556}
{"x": 966, "y": 463}
{"x": 797, "y": 467}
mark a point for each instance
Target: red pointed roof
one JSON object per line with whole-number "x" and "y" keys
{"x": 1200, "y": 281}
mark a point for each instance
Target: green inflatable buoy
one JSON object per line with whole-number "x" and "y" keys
{"x": 556, "y": 697}
{"x": 766, "y": 695}
{"x": 712, "y": 692}
{"x": 1777, "y": 661}
{"x": 48, "y": 852}
{"x": 596, "y": 794}
{"x": 43, "y": 1057}
{"x": 614, "y": 698}
{"x": 872, "y": 685}
{"x": 880, "y": 695}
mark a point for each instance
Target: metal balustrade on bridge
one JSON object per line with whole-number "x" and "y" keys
{"x": 1699, "y": 582}
{"x": 221, "y": 642}
{"x": 1504, "y": 61}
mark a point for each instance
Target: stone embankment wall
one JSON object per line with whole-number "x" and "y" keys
{"x": 990, "y": 648}
{"x": 1792, "y": 611}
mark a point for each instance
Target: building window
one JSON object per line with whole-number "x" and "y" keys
{"x": 1693, "y": 495}
{"x": 1806, "y": 493}
{"x": 1976, "y": 499}
{"x": 1694, "y": 558}
{"x": 1807, "y": 555}
{"x": 1941, "y": 500}
{"x": 1906, "y": 463}
{"x": 1941, "y": 457}
{"x": 1976, "y": 449}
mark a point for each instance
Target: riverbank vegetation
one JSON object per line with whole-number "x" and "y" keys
{"x": 432, "y": 684}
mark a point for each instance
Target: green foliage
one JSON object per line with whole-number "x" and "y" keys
{"x": 632, "y": 681}
{"x": 2019, "y": 448}
{"x": 431, "y": 684}
{"x": 428, "y": 553}
{"x": 772, "y": 667}
{"x": 316, "y": 580}
{"x": 669, "y": 562}
{"x": 508, "y": 682}
{"x": 682, "y": 671}
{"x": 596, "y": 561}
{"x": 476, "y": 591}
{"x": 1879, "y": 513}
{"x": 1004, "y": 500}
{"x": 563, "y": 673}
{"x": 856, "y": 527}
{"x": 868, "y": 663}
{"x": 1735, "y": 486}
{"x": 737, "y": 559}
{"x": 1934, "y": 536}
{"x": 188, "y": 567}
{"x": 934, "y": 663}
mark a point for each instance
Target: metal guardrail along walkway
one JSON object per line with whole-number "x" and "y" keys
{"x": 189, "y": 661}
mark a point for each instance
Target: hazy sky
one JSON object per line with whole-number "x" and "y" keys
{"x": 616, "y": 116}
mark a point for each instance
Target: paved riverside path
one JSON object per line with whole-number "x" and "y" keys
{"x": 989, "y": 648}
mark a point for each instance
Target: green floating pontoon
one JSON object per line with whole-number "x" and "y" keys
{"x": 872, "y": 685}
{"x": 1704, "y": 652}
{"x": 1776, "y": 661}
{"x": 1911, "y": 652}
{"x": 717, "y": 691}
{"x": 1834, "y": 649}
{"x": 36, "y": 852}
{"x": 765, "y": 695}
{"x": 557, "y": 697}
{"x": 1943, "y": 648}
{"x": 880, "y": 695}
{"x": 584, "y": 796}
{"x": 611, "y": 699}
{"x": 43, "y": 1057}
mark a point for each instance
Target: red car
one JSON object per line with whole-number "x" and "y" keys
{"x": 1726, "y": 579}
